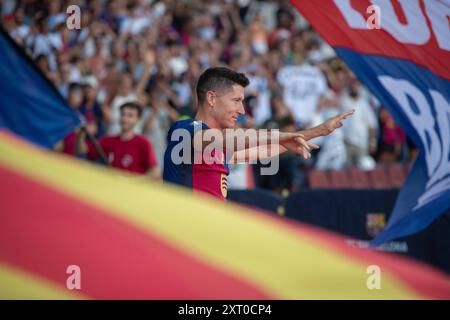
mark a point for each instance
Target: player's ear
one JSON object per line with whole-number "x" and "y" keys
{"x": 211, "y": 98}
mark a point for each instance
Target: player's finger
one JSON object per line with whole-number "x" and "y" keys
{"x": 346, "y": 114}
{"x": 313, "y": 146}
{"x": 303, "y": 143}
{"x": 304, "y": 153}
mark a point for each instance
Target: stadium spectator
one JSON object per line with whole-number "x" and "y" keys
{"x": 360, "y": 131}
{"x": 126, "y": 151}
{"x": 75, "y": 99}
{"x": 128, "y": 91}
{"x": 392, "y": 140}
{"x": 91, "y": 108}
{"x": 157, "y": 118}
{"x": 303, "y": 86}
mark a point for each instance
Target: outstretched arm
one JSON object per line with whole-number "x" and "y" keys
{"x": 237, "y": 142}
{"x": 326, "y": 127}
{"x": 270, "y": 151}
{"x": 298, "y": 145}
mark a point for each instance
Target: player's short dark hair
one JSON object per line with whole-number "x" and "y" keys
{"x": 132, "y": 105}
{"x": 218, "y": 78}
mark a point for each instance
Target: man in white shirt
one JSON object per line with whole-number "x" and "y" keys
{"x": 303, "y": 86}
{"x": 360, "y": 130}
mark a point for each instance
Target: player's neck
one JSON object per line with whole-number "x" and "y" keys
{"x": 202, "y": 116}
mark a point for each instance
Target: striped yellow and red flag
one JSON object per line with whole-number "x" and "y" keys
{"x": 134, "y": 239}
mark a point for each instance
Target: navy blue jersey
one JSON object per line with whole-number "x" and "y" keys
{"x": 189, "y": 169}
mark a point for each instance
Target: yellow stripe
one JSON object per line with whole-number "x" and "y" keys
{"x": 17, "y": 284}
{"x": 224, "y": 235}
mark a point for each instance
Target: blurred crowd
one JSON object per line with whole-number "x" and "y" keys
{"x": 152, "y": 52}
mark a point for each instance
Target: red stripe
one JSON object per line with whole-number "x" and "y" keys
{"x": 44, "y": 231}
{"x": 419, "y": 277}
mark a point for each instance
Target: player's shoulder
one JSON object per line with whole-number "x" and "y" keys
{"x": 186, "y": 123}
{"x": 190, "y": 124}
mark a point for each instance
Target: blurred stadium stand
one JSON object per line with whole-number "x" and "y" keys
{"x": 383, "y": 177}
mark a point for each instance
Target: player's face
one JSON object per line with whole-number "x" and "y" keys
{"x": 229, "y": 106}
{"x": 128, "y": 119}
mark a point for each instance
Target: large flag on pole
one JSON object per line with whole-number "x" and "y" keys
{"x": 30, "y": 106}
{"x": 400, "y": 50}
{"x": 104, "y": 234}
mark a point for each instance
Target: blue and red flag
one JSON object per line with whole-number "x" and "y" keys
{"x": 404, "y": 60}
{"x": 30, "y": 105}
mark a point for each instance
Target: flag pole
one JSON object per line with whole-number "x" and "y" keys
{"x": 95, "y": 143}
